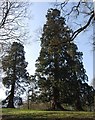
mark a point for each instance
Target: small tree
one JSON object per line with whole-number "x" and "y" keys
{"x": 16, "y": 75}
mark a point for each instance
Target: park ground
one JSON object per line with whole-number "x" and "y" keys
{"x": 25, "y": 114}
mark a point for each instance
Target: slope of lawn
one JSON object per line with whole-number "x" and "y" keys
{"x": 24, "y": 114}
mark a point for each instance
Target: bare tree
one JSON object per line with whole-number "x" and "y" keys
{"x": 78, "y": 10}
{"x": 13, "y": 21}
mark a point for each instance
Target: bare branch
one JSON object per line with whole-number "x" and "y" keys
{"x": 74, "y": 35}
{"x": 12, "y": 16}
{"x": 74, "y": 8}
{"x": 77, "y": 10}
{"x": 6, "y": 10}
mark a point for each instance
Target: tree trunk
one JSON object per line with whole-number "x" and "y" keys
{"x": 78, "y": 105}
{"x": 11, "y": 97}
{"x": 56, "y": 105}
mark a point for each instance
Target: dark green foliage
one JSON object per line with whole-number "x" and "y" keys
{"x": 60, "y": 70}
{"x": 16, "y": 75}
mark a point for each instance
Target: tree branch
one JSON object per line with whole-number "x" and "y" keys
{"x": 5, "y": 15}
{"x": 75, "y": 34}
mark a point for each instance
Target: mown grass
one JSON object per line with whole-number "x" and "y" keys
{"x": 16, "y": 114}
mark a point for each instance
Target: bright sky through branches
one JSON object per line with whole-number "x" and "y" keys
{"x": 39, "y": 11}
{"x": 49, "y": 0}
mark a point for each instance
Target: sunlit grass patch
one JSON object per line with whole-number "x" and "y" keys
{"x": 24, "y": 113}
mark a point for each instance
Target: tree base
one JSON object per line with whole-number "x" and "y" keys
{"x": 10, "y": 106}
{"x": 57, "y": 107}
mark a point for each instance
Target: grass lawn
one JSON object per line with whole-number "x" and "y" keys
{"x": 19, "y": 114}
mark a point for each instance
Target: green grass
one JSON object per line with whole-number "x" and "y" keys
{"x": 49, "y": 115}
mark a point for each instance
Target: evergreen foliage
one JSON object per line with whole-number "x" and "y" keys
{"x": 16, "y": 75}
{"x": 60, "y": 69}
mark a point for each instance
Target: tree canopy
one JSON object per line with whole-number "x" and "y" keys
{"x": 15, "y": 73}
{"x": 60, "y": 68}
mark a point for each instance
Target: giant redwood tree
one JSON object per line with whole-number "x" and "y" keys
{"x": 15, "y": 73}
{"x": 59, "y": 66}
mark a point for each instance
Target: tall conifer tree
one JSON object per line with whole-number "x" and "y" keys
{"x": 59, "y": 65}
{"x": 16, "y": 75}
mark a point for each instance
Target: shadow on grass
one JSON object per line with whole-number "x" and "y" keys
{"x": 27, "y": 118}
